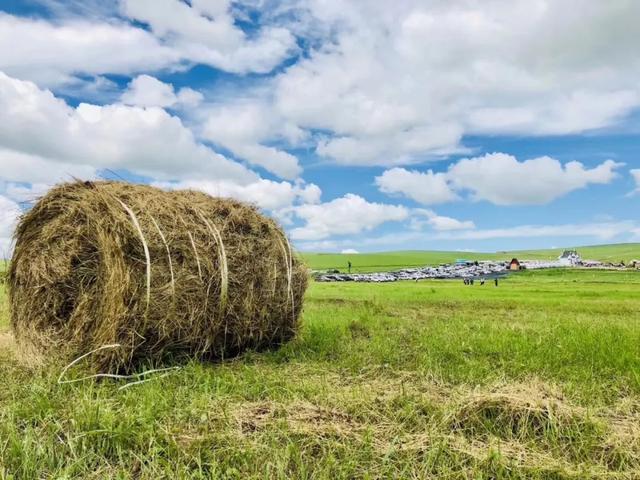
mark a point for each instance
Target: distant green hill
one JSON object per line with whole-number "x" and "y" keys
{"x": 370, "y": 262}
{"x": 381, "y": 261}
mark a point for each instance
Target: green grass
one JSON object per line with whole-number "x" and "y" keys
{"x": 369, "y": 262}
{"x": 538, "y": 378}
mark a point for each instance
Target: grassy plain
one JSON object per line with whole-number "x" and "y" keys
{"x": 537, "y": 378}
{"x": 374, "y": 262}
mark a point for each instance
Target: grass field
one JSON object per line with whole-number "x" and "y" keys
{"x": 538, "y": 378}
{"x": 370, "y": 262}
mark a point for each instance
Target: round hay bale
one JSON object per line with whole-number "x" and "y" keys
{"x": 163, "y": 274}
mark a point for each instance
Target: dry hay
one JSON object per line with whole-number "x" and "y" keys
{"x": 517, "y": 411}
{"x": 6, "y": 343}
{"x": 536, "y": 415}
{"x": 300, "y": 417}
{"x": 162, "y": 274}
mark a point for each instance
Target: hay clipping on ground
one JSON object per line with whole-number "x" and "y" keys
{"x": 162, "y": 274}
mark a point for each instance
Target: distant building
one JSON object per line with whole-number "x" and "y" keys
{"x": 569, "y": 258}
{"x": 515, "y": 264}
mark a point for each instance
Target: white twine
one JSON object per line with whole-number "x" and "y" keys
{"x": 134, "y": 219}
{"x": 289, "y": 265}
{"x": 222, "y": 257}
{"x": 195, "y": 250}
{"x": 275, "y": 279}
{"x": 112, "y": 375}
{"x": 193, "y": 245}
{"x": 145, "y": 380}
{"x": 164, "y": 240}
{"x": 293, "y": 301}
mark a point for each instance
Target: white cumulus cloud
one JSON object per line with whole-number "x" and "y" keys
{"x": 148, "y": 141}
{"x": 206, "y": 32}
{"x": 28, "y": 168}
{"x": 401, "y": 82}
{"x": 386, "y": 83}
{"x": 421, "y": 217}
{"x": 62, "y": 50}
{"x": 503, "y": 180}
{"x": 53, "y": 53}
{"x": 624, "y": 230}
{"x": 243, "y": 126}
{"x": 498, "y": 178}
{"x": 266, "y": 194}
{"x": 9, "y": 213}
{"x": 601, "y": 231}
{"x": 635, "y": 173}
{"x": 148, "y": 91}
{"x": 427, "y": 188}
{"x": 346, "y": 215}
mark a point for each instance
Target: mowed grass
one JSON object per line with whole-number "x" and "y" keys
{"x": 537, "y": 378}
{"x": 375, "y": 262}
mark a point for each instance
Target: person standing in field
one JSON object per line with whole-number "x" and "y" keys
{"x": 349, "y": 266}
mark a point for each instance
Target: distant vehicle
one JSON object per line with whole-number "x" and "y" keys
{"x": 461, "y": 262}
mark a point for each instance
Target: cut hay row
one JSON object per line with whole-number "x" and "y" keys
{"x": 163, "y": 274}
{"x": 528, "y": 426}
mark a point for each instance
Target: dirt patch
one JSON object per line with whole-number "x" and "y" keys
{"x": 332, "y": 301}
{"x": 300, "y": 417}
{"x": 359, "y": 330}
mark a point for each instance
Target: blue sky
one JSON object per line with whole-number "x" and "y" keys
{"x": 365, "y": 125}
